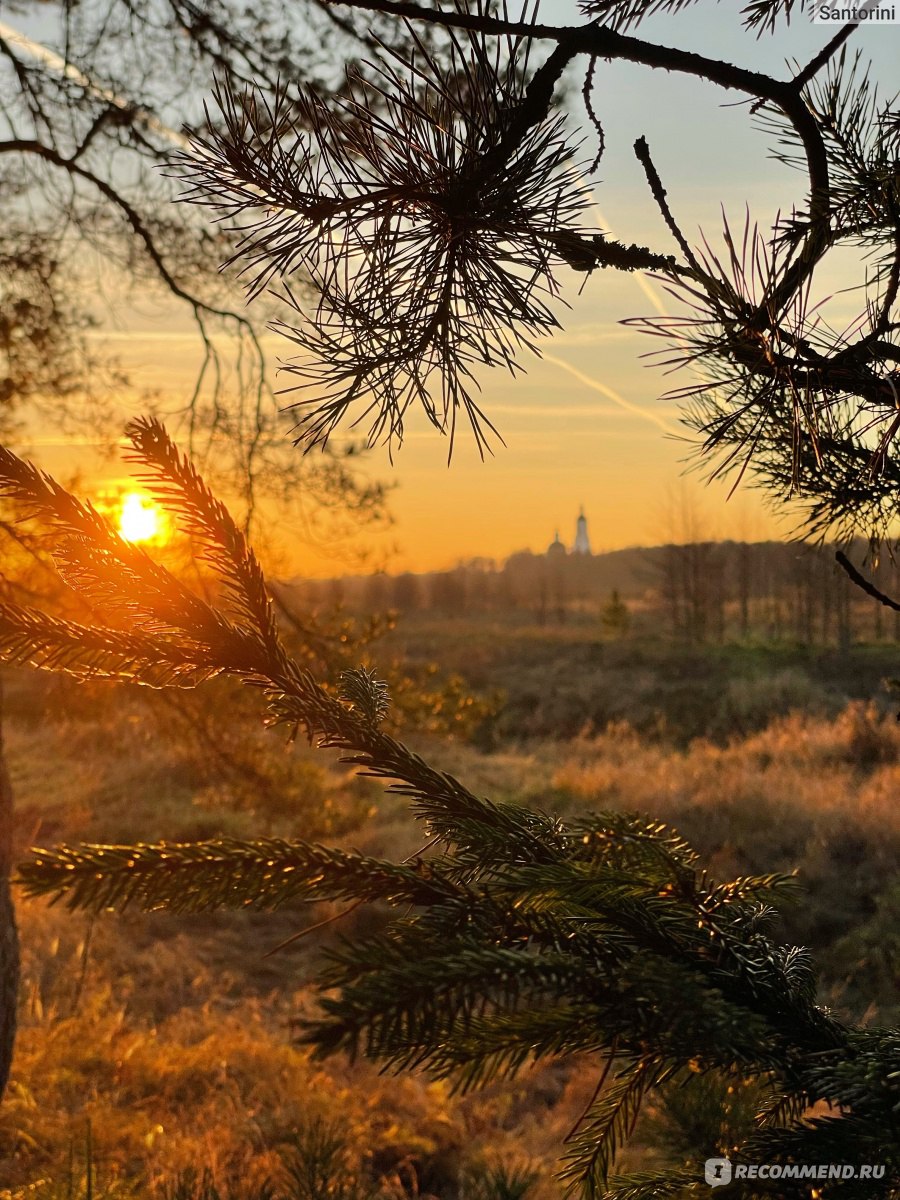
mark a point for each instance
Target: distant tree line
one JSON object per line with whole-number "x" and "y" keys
{"x": 697, "y": 592}
{"x": 717, "y": 591}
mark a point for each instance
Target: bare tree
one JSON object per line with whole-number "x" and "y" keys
{"x": 94, "y": 97}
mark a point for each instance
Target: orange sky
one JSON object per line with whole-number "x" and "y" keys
{"x": 569, "y": 441}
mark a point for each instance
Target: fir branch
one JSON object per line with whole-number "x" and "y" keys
{"x": 29, "y": 637}
{"x": 224, "y": 873}
{"x": 93, "y": 548}
{"x": 608, "y": 1123}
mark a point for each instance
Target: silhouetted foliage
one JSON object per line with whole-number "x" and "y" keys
{"x": 432, "y": 260}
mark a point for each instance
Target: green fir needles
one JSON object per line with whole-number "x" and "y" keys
{"x": 513, "y": 935}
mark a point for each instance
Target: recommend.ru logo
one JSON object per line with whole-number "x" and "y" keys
{"x": 718, "y": 1171}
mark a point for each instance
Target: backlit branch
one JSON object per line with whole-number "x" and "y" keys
{"x": 514, "y": 935}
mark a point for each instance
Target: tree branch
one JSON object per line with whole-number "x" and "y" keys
{"x": 864, "y": 584}
{"x": 827, "y": 52}
{"x": 642, "y": 153}
{"x": 34, "y": 147}
{"x": 602, "y": 42}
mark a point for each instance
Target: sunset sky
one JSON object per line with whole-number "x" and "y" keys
{"x": 584, "y": 426}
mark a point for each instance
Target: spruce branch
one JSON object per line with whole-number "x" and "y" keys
{"x": 646, "y": 1186}
{"x": 514, "y": 934}
{"x": 360, "y": 688}
{"x": 608, "y": 1123}
{"x": 29, "y": 637}
{"x": 225, "y": 873}
{"x": 172, "y": 479}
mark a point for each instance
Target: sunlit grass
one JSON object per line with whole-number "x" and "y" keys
{"x": 172, "y": 1036}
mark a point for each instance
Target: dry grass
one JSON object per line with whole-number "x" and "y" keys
{"x": 174, "y": 1065}
{"x": 800, "y": 769}
{"x": 172, "y": 1037}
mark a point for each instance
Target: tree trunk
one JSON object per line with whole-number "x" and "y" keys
{"x": 9, "y": 936}
{"x": 745, "y": 586}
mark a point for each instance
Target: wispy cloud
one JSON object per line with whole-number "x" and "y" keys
{"x": 549, "y": 411}
{"x": 639, "y": 277}
{"x": 595, "y": 384}
{"x": 591, "y": 334}
{"x": 44, "y": 443}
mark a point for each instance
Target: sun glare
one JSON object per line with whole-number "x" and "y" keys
{"x": 140, "y": 520}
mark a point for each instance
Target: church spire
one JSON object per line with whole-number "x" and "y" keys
{"x": 582, "y": 541}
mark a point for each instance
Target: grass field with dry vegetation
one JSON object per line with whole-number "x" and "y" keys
{"x": 155, "y": 1053}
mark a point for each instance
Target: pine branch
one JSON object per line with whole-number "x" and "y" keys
{"x": 226, "y": 873}
{"x": 608, "y": 1123}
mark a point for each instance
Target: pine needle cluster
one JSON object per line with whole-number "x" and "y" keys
{"x": 423, "y": 206}
{"x": 514, "y": 935}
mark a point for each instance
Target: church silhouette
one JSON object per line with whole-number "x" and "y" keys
{"x": 582, "y": 544}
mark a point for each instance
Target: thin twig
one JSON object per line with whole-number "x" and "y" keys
{"x": 592, "y": 114}
{"x": 864, "y": 584}
{"x": 302, "y": 933}
{"x": 84, "y": 962}
{"x": 642, "y": 153}
{"x": 827, "y": 51}
{"x": 604, "y": 1075}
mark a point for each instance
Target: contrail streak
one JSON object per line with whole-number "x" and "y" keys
{"x": 55, "y": 62}
{"x": 638, "y": 276}
{"x": 653, "y": 296}
{"x": 610, "y": 394}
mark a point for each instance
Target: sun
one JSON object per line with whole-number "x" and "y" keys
{"x": 140, "y": 519}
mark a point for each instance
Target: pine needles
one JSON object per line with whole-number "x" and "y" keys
{"x": 430, "y": 208}
{"x": 513, "y": 936}
{"x": 424, "y": 207}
